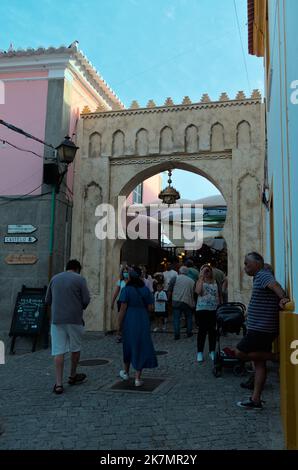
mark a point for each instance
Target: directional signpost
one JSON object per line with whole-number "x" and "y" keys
{"x": 21, "y": 229}
{"x": 21, "y": 258}
{"x": 20, "y": 239}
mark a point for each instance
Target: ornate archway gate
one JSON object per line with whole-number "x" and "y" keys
{"x": 223, "y": 141}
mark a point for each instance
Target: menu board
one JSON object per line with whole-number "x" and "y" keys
{"x": 29, "y": 313}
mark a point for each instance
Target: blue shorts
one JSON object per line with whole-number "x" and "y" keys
{"x": 66, "y": 338}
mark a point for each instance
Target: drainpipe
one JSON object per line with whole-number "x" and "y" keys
{"x": 52, "y": 231}
{"x": 50, "y": 264}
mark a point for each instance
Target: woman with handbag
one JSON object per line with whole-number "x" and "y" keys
{"x": 138, "y": 351}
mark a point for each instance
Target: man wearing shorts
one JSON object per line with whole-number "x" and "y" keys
{"x": 262, "y": 324}
{"x": 68, "y": 296}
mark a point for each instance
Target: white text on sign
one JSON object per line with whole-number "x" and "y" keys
{"x": 294, "y": 355}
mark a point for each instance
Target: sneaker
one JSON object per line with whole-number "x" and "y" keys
{"x": 212, "y": 355}
{"x": 250, "y": 404}
{"x": 124, "y": 375}
{"x": 200, "y": 357}
{"x": 139, "y": 383}
{"x": 156, "y": 329}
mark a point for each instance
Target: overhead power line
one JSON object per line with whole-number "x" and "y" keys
{"x": 24, "y": 133}
{"x": 4, "y": 141}
{"x": 243, "y": 53}
{"x": 20, "y": 198}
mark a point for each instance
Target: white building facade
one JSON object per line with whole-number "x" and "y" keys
{"x": 273, "y": 35}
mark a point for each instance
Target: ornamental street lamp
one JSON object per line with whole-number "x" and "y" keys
{"x": 169, "y": 195}
{"x": 67, "y": 150}
{"x": 65, "y": 154}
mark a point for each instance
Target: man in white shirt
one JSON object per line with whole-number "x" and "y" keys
{"x": 168, "y": 275}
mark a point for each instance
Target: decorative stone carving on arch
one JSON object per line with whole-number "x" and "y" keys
{"x": 243, "y": 134}
{"x": 250, "y": 221}
{"x": 166, "y": 141}
{"x": 118, "y": 144}
{"x": 217, "y": 137}
{"x": 94, "y": 145}
{"x": 89, "y": 187}
{"x": 142, "y": 142}
{"x": 191, "y": 139}
{"x": 92, "y": 198}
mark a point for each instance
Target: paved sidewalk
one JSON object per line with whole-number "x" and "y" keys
{"x": 190, "y": 410}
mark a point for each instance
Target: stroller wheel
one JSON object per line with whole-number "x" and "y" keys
{"x": 238, "y": 370}
{"x": 216, "y": 371}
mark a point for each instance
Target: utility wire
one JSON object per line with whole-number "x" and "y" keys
{"x": 20, "y": 148}
{"x": 18, "y": 183}
{"x": 24, "y": 196}
{"x": 243, "y": 53}
{"x": 274, "y": 31}
{"x": 66, "y": 186}
{"x": 166, "y": 61}
{"x": 22, "y": 132}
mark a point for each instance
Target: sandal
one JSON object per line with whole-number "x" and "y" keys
{"x": 77, "y": 379}
{"x": 58, "y": 389}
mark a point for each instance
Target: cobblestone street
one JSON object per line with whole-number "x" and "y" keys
{"x": 191, "y": 409}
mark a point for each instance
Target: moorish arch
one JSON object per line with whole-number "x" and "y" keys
{"x": 208, "y": 139}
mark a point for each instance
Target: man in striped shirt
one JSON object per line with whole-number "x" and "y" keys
{"x": 267, "y": 299}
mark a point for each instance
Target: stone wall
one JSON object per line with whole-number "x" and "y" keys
{"x": 37, "y": 212}
{"x": 223, "y": 141}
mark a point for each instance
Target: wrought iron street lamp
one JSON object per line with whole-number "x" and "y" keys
{"x": 67, "y": 150}
{"x": 169, "y": 195}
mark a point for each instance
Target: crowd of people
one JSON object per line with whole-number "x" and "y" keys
{"x": 181, "y": 291}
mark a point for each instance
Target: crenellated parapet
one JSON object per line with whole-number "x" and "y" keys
{"x": 188, "y": 128}
{"x": 205, "y": 100}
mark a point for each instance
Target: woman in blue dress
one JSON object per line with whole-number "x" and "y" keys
{"x": 134, "y": 322}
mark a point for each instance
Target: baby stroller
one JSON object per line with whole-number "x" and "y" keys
{"x": 229, "y": 319}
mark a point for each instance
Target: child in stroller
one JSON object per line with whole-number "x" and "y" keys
{"x": 230, "y": 318}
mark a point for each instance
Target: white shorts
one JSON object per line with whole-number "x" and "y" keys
{"x": 66, "y": 338}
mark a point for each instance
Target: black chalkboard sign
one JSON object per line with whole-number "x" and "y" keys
{"x": 29, "y": 315}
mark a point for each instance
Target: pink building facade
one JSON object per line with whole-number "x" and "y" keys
{"x": 43, "y": 92}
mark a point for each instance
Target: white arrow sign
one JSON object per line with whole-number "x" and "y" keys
{"x": 21, "y": 229}
{"x": 20, "y": 239}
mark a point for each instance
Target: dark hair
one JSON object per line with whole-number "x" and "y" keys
{"x": 135, "y": 278}
{"x": 256, "y": 257}
{"x": 73, "y": 265}
{"x": 188, "y": 263}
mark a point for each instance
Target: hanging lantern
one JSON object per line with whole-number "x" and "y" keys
{"x": 169, "y": 195}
